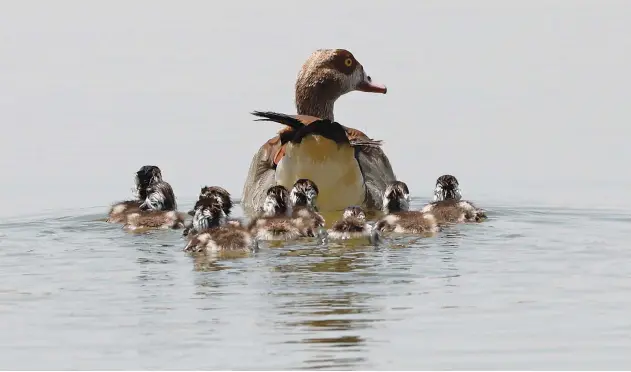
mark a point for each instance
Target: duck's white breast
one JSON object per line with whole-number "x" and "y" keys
{"x": 333, "y": 168}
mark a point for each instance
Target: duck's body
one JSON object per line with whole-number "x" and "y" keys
{"x": 356, "y": 172}
{"x": 213, "y": 234}
{"x": 352, "y": 226}
{"x": 146, "y": 176}
{"x": 398, "y": 218}
{"x": 448, "y": 206}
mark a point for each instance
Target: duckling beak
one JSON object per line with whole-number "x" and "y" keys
{"x": 371, "y": 87}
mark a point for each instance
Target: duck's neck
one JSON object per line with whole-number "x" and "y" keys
{"x": 316, "y": 98}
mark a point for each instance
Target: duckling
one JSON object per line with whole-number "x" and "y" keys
{"x": 448, "y": 206}
{"x": 447, "y": 187}
{"x": 213, "y": 234}
{"x": 159, "y": 210}
{"x": 146, "y": 176}
{"x": 275, "y": 221}
{"x": 399, "y": 219}
{"x": 305, "y": 212}
{"x": 222, "y": 196}
{"x": 218, "y": 192}
{"x": 353, "y": 226}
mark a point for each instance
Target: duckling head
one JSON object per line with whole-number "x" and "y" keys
{"x": 208, "y": 213}
{"x": 396, "y": 198}
{"x": 276, "y": 202}
{"x": 447, "y": 187}
{"x": 304, "y": 193}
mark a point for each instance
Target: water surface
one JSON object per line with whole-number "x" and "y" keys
{"x": 531, "y": 288}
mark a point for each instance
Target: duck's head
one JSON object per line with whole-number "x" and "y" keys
{"x": 147, "y": 175}
{"x": 327, "y": 75}
{"x": 447, "y": 188}
{"x": 160, "y": 197}
{"x": 354, "y": 212}
{"x": 208, "y": 213}
{"x": 276, "y": 202}
{"x": 220, "y": 194}
{"x": 396, "y": 198}
{"x": 304, "y": 194}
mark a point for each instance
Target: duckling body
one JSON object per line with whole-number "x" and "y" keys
{"x": 158, "y": 211}
{"x": 407, "y": 222}
{"x": 226, "y": 238}
{"x": 146, "y": 176}
{"x": 275, "y": 221}
{"x": 303, "y": 199}
{"x": 454, "y": 211}
{"x": 119, "y": 211}
{"x": 448, "y": 206}
{"x": 212, "y": 233}
{"x": 154, "y": 220}
{"x": 398, "y": 218}
{"x": 352, "y": 226}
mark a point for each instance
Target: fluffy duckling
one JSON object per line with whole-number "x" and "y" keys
{"x": 399, "y": 219}
{"x": 217, "y": 192}
{"x": 305, "y": 212}
{"x": 448, "y": 206}
{"x": 353, "y": 226}
{"x": 146, "y": 176}
{"x": 159, "y": 210}
{"x": 275, "y": 222}
{"x": 447, "y": 188}
{"x": 213, "y": 234}
{"x": 222, "y": 196}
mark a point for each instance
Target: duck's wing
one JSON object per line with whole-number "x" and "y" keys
{"x": 260, "y": 175}
{"x": 374, "y": 165}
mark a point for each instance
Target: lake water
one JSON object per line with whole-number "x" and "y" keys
{"x": 531, "y": 288}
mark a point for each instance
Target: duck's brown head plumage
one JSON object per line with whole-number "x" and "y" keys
{"x": 327, "y": 75}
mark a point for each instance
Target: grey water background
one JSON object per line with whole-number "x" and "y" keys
{"x": 525, "y": 102}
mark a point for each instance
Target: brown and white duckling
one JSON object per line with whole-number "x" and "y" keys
{"x": 305, "y": 211}
{"x": 353, "y": 226}
{"x": 448, "y": 206}
{"x": 213, "y": 234}
{"x": 276, "y": 221}
{"x": 146, "y": 176}
{"x": 222, "y": 196}
{"x": 217, "y": 192}
{"x": 158, "y": 211}
{"x": 447, "y": 187}
{"x": 398, "y": 218}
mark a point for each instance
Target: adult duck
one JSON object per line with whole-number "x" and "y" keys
{"x": 324, "y": 77}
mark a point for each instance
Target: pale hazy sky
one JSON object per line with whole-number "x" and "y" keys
{"x": 518, "y": 99}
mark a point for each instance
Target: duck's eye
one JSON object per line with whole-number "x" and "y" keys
{"x": 348, "y": 62}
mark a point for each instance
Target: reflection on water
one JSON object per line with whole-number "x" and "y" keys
{"x": 523, "y": 290}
